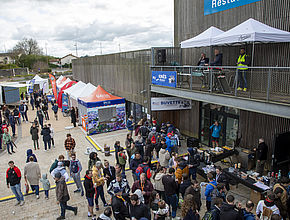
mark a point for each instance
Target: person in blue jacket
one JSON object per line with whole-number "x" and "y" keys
{"x": 215, "y": 135}
{"x": 130, "y": 125}
{"x": 209, "y": 189}
{"x": 168, "y": 142}
{"x": 247, "y": 212}
{"x": 29, "y": 153}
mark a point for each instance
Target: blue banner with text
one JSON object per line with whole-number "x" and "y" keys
{"x": 164, "y": 78}
{"x": 214, "y": 6}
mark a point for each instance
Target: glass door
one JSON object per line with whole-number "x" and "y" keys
{"x": 205, "y": 124}
{"x": 231, "y": 131}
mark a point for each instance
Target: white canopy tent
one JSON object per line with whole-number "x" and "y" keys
{"x": 251, "y": 31}
{"x": 202, "y": 40}
{"x": 59, "y": 79}
{"x": 43, "y": 83}
{"x": 63, "y": 83}
{"x": 79, "y": 85}
{"x": 87, "y": 90}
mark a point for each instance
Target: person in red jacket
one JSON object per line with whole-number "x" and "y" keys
{"x": 13, "y": 177}
{"x": 145, "y": 186}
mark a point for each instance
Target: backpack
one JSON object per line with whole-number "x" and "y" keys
{"x": 142, "y": 168}
{"x": 267, "y": 212}
{"x": 53, "y": 165}
{"x": 74, "y": 166}
{"x": 208, "y": 216}
{"x": 153, "y": 140}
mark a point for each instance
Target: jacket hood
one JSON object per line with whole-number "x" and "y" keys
{"x": 61, "y": 179}
{"x": 163, "y": 151}
{"x": 104, "y": 217}
{"x": 29, "y": 152}
{"x": 227, "y": 207}
{"x": 44, "y": 176}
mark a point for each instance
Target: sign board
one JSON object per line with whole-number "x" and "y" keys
{"x": 214, "y": 6}
{"x": 164, "y": 78}
{"x": 64, "y": 102}
{"x": 31, "y": 85}
{"x": 169, "y": 103}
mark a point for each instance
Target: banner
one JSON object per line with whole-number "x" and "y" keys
{"x": 64, "y": 102}
{"x": 169, "y": 103}
{"x": 214, "y": 6}
{"x": 31, "y": 85}
{"x": 53, "y": 85}
{"x": 164, "y": 78}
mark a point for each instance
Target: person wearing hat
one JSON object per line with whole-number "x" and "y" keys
{"x": 62, "y": 195}
{"x": 120, "y": 205}
{"x": 267, "y": 206}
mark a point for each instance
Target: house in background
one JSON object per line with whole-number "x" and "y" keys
{"x": 55, "y": 62}
{"x": 67, "y": 59}
{"x": 6, "y": 58}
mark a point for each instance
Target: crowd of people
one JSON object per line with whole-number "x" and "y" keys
{"x": 163, "y": 180}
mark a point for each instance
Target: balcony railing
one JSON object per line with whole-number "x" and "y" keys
{"x": 263, "y": 83}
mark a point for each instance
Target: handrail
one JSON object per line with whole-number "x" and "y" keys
{"x": 227, "y": 67}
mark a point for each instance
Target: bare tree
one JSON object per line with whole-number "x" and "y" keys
{"x": 27, "y": 47}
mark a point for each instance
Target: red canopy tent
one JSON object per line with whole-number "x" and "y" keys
{"x": 59, "y": 97}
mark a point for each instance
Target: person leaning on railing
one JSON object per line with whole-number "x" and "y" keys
{"x": 243, "y": 62}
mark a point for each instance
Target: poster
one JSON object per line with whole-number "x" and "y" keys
{"x": 31, "y": 86}
{"x": 164, "y": 78}
{"x": 64, "y": 102}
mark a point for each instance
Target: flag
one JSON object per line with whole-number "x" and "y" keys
{"x": 31, "y": 85}
{"x": 53, "y": 85}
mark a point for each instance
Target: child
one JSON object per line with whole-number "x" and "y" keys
{"x": 45, "y": 184}
{"x": 106, "y": 215}
{"x": 51, "y": 134}
{"x": 163, "y": 211}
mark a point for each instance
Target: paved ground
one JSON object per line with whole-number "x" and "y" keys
{"x": 48, "y": 209}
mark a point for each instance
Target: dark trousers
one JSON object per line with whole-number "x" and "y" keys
{"x": 24, "y": 116}
{"x": 208, "y": 205}
{"x": 13, "y": 129}
{"x": 64, "y": 206}
{"x": 161, "y": 194}
{"x": 192, "y": 173}
{"x": 100, "y": 192}
{"x": 11, "y": 147}
{"x": 242, "y": 80}
{"x": 46, "y": 193}
{"x": 173, "y": 202}
{"x": 46, "y": 115}
{"x": 40, "y": 122}
{"x": 36, "y": 145}
{"x": 35, "y": 188}
{"x": 52, "y": 141}
{"x": 47, "y": 143}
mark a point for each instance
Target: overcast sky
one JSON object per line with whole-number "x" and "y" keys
{"x": 109, "y": 24}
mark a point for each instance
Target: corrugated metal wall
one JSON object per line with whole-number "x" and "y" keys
{"x": 190, "y": 21}
{"x": 254, "y": 125}
{"x": 124, "y": 74}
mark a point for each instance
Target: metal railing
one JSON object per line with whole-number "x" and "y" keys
{"x": 263, "y": 83}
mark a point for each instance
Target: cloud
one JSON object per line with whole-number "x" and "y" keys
{"x": 114, "y": 24}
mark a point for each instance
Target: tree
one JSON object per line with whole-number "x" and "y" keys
{"x": 27, "y": 47}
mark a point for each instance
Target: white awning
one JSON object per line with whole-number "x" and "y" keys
{"x": 79, "y": 85}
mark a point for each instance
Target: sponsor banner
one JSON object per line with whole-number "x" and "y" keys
{"x": 164, "y": 78}
{"x": 31, "y": 85}
{"x": 53, "y": 85}
{"x": 64, "y": 102}
{"x": 169, "y": 103}
{"x": 214, "y": 6}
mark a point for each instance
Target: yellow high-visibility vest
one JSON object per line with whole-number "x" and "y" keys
{"x": 242, "y": 59}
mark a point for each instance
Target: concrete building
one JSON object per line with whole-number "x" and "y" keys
{"x": 262, "y": 111}
{"x": 67, "y": 59}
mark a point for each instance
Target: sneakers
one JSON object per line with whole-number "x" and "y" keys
{"x": 76, "y": 210}
{"x": 245, "y": 89}
{"x": 60, "y": 217}
{"x": 22, "y": 203}
{"x": 17, "y": 203}
{"x": 37, "y": 196}
{"x": 45, "y": 150}
{"x": 46, "y": 198}
{"x": 239, "y": 89}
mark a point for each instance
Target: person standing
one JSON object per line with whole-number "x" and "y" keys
{"x": 40, "y": 116}
{"x": 145, "y": 186}
{"x": 93, "y": 158}
{"x": 119, "y": 205}
{"x": 117, "y": 149}
{"x": 119, "y": 182}
{"x": 6, "y": 138}
{"x": 46, "y": 137}
{"x": 75, "y": 172}
{"x": 16, "y": 115}
{"x": 109, "y": 172}
{"x": 23, "y": 108}
{"x": 170, "y": 188}
{"x": 90, "y": 191}
{"x": 99, "y": 182}
{"x": 194, "y": 161}
{"x": 130, "y": 125}
{"x": 51, "y": 134}
{"x": 45, "y": 111}
{"x": 134, "y": 164}
{"x": 12, "y": 124}
{"x": 229, "y": 211}
{"x": 122, "y": 158}
{"x": 62, "y": 196}
{"x": 243, "y": 62}
{"x": 159, "y": 187}
{"x": 209, "y": 189}
{"x": 216, "y": 129}
{"x": 262, "y": 154}
{"x": 218, "y": 60}
{"x": 247, "y": 212}
{"x": 189, "y": 209}
{"x": 32, "y": 101}
{"x": 194, "y": 190}
{"x": 138, "y": 209}
{"x": 13, "y": 177}
{"x": 32, "y": 175}
{"x": 128, "y": 144}
{"x": 73, "y": 116}
{"x": 69, "y": 145}
{"x": 34, "y": 134}
{"x": 45, "y": 185}
{"x": 55, "y": 110}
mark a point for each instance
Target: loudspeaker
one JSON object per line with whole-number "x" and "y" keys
{"x": 161, "y": 56}
{"x": 192, "y": 142}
